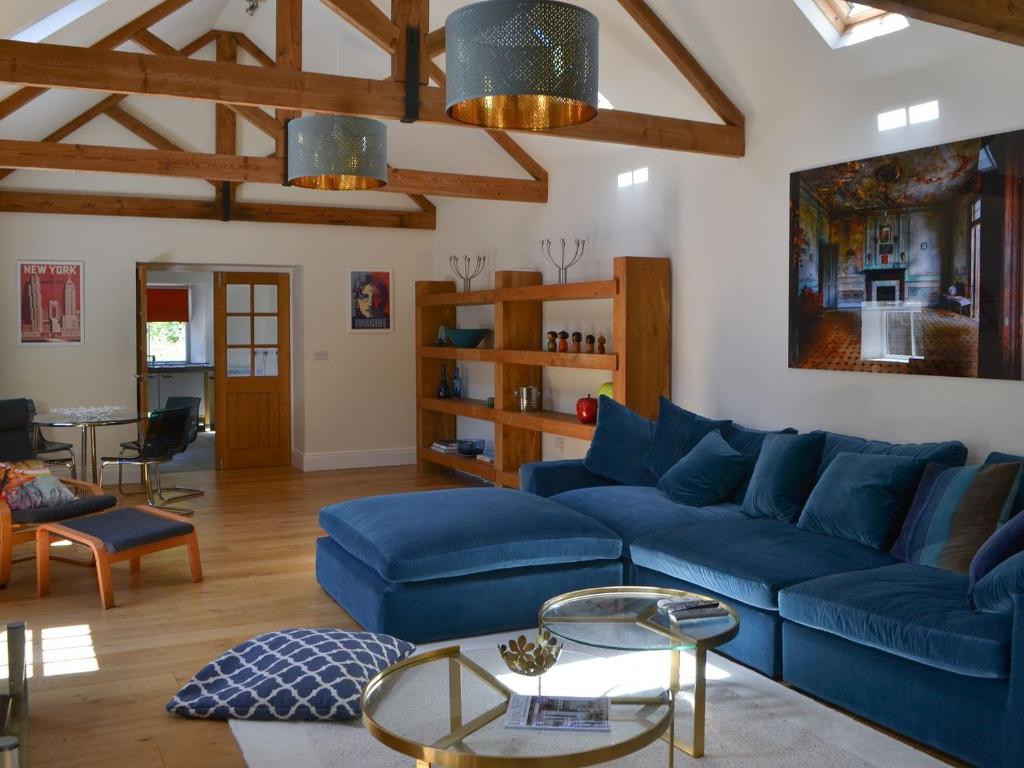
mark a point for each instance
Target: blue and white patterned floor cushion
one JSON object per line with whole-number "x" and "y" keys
{"x": 292, "y": 674}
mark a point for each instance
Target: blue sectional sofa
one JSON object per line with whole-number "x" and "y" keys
{"x": 890, "y": 641}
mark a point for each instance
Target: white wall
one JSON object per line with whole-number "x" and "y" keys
{"x": 354, "y": 409}
{"x": 724, "y": 222}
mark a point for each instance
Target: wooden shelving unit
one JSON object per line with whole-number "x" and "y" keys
{"x": 639, "y": 362}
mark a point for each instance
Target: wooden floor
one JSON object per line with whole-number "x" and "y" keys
{"x": 256, "y": 532}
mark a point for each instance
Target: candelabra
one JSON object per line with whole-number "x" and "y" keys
{"x": 562, "y": 266}
{"x": 466, "y": 273}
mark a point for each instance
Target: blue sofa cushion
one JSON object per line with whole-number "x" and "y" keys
{"x": 1008, "y": 458}
{"x": 675, "y": 435}
{"x": 436, "y": 534}
{"x": 292, "y": 674}
{"x": 784, "y": 476}
{"x": 707, "y": 474}
{"x": 749, "y": 441}
{"x": 952, "y": 453}
{"x": 750, "y": 560}
{"x": 1007, "y": 541}
{"x": 954, "y": 511}
{"x": 633, "y": 511}
{"x": 862, "y": 497}
{"x": 996, "y": 591}
{"x": 913, "y": 611}
{"x": 620, "y": 443}
{"x": 547, "y": 478}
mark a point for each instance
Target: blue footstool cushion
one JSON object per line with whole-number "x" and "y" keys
{"x": 127, "y": 528}
{"x": 441, "y": 534}
{"x": 292, "y": 674}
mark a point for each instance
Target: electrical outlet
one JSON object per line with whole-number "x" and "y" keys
{"x": 320, "y": 354}
{"x": 560, "y": 443}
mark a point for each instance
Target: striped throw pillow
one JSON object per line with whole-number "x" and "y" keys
{"x": 954, "y": 511}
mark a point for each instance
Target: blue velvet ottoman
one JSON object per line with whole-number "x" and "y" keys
{"x": 442, "y": 564}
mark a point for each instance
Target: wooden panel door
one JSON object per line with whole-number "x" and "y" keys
{"x": 252, "y": 369}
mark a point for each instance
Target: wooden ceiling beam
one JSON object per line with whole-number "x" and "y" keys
{"x": 998, "y": 19}
{"x": 436, "y": 43}
{"x": 368, "y": 19}
{"x": 261, "y": 170}
{"x": 57, "y": 66}
{"x": 520, "y": 155}
{"x": 289, "y": 56}
{"x": 122, "y": 34}
{"x": 684, "y": 61}
{"x": 266, "y": 123}
{"x": 175, "y": 208}
{"x": 406, "y": 15}
{"x": 200, "y": 42}
{"x": 246, "y": 44}
{"x": 225, "y": 121}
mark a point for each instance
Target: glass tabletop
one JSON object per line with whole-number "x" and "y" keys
{"x": 84, "y": 416}
{"x": 447, "y": 707}
{"x": 628, "y": 619}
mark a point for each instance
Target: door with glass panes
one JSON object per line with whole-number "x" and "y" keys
{"x": 252, "y": 369}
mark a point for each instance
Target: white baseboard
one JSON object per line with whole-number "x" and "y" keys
{"x": 382, "y": 457}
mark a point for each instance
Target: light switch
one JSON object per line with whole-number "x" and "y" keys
{"x": 320, "y": 354}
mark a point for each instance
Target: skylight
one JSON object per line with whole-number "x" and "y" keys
{"x": 52, "y": 23}
{"x": 842, "y": 23}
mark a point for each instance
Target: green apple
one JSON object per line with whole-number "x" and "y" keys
{"x": 607, "y": 390}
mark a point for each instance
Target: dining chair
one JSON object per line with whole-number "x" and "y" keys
{"x": 45, "y": 448}
{"x": 19, "y": 526}
{"x": 165, "y": 436}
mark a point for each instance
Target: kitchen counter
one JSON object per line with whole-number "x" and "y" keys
{"x": 181, "y": 368}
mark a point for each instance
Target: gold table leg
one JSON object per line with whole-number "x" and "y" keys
{"x": 92, "y": 450}
{"x": 696, "y": 749}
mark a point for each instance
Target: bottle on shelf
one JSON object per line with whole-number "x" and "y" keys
{"x": 444, "y": 392}
{"x": 456, "y": 382}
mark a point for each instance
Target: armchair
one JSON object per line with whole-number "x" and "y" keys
{"x": 19, "y": 526}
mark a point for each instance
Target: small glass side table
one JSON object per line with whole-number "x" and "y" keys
{"x": 628, "y": 619}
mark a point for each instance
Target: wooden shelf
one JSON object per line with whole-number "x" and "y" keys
{"x": 461, "y": 463}
{"x": 551, "y": 422}
{"x": 594, "y": 289}
{"x": 639, "y": 331}
{"x": 524, "y": 357}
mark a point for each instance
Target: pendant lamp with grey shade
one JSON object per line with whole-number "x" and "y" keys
{"x": 337, "y": 152}
{"x": 521, "y": 64}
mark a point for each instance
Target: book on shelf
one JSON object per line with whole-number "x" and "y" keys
{"x": 445, "y": 446}
{"x": 487, "y": 457}
{"x": 558, "y": 713}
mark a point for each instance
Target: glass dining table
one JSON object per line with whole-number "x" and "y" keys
{"x": 86, "y": 420}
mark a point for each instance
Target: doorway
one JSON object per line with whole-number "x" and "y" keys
{"x": 828, "y": 270}
{"x": 190, "y": 342}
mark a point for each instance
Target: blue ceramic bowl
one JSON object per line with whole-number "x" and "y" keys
{"x": 465, "y": 337}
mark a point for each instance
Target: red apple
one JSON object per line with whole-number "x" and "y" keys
{"x": 586, "y": 409}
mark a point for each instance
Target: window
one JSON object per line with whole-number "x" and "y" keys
{"x": 56, "y": 21}
{"x": 842, "y": 23}
{"x": 167, "y": 316}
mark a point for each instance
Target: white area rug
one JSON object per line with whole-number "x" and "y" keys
{"x": 752, "y": 722}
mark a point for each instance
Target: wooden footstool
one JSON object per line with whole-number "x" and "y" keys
{"x": 120, "y": 534}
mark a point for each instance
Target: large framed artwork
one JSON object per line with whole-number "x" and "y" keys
{"x": 50, "y": 302}
{"x": 911, "y": 263}
{"x": 371, "y": 309}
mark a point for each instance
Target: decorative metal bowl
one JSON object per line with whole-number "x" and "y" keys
{"x": 531, "y": 658}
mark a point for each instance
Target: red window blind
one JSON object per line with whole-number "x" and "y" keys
{"x": 167, "y": 305}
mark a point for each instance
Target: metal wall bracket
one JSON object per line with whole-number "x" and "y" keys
{"x": 412, "y": 75}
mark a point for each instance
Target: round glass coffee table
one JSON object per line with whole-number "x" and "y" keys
{"x": 628, "y": 619}
{"x": 446, "y": 708}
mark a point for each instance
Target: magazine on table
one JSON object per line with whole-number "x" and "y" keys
{"x": 558, "y": 713}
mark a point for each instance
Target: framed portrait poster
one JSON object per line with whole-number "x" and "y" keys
{"x": 50, "y": 302}
{"x": 371, "y": 308}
